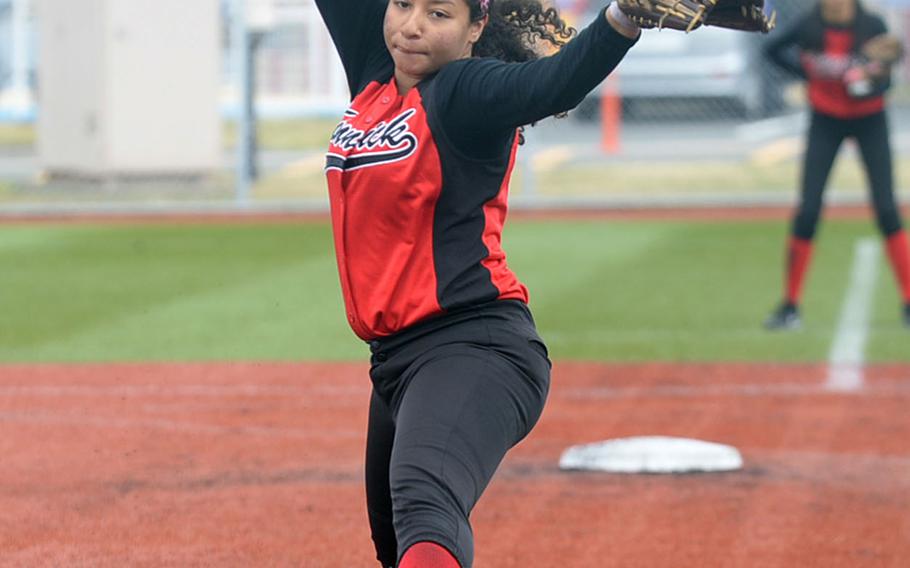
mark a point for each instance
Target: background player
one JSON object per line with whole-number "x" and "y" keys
{"x": 842, "y": 51}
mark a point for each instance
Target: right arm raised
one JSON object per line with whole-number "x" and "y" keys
{"x": 356, "y": 30}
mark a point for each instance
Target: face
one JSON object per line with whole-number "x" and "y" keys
{"x": 424, "y": 35}
{"x": 837, "y": 5}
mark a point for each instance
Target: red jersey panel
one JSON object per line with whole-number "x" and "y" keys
{"x": 495, "y": 215}
{"x": 385, "y": 178}
{"x": 827, "y": 90}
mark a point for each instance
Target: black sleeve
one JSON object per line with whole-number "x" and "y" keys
{"x": 878, "y": 26}
{"x": 882, "y": 85}
{"x": 481, "y": 98}
{"x": 784, "y": 49}
{"x": 356, "y": 30}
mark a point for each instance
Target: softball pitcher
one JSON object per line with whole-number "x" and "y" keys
{"x": 418, "y": 173}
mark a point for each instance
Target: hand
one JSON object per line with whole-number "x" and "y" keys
{"x": 857, "y": 82}
{"x": 743, "y": 15}
{"x": 621, "y": 23}
{"x": 675, "y": 14}
{"x": 688, "y": 15}
{"x": 883, "y": 49}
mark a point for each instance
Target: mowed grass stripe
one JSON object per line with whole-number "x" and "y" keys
{"x": 166, "y": 292}
{"x": 617, "y": 291}
{"x": 697, "y": 292}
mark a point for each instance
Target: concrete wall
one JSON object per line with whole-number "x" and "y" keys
{"x": 128, "y": 87}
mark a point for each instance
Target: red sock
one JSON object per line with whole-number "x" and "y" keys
{"x": 428, "y": 555}
{"x": 799, "y": 254}
{"x": 899, "y": 252}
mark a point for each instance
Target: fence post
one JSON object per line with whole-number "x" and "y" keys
{"x": 240, "y": 42}
{"x": 610, "y": 116}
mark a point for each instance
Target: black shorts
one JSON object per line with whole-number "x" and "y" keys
{"x": 451, "y": 396}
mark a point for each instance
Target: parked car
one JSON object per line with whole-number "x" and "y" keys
{"x": 711, "y": 65}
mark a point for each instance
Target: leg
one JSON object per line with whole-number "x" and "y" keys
{"x": 799, "y": 255}
{"x": 873, "y": 137}
{"x": 875, "y": 147}
{"x": 380, "y": 433}
{"x": 825, "y": 137}
{"x": 898, "y": 246}
{"x": 463, "y": 409}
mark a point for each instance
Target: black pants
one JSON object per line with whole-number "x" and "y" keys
{"x": 826, "y": 134}
{"x": 450, "y": 397}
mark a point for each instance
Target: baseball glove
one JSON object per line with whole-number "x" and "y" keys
{"x": 884, "y": 49}
{"x": 745, "y": 15}
{"x": 687, "y": 15}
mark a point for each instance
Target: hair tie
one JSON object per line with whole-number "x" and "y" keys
{"x": 484, "y": 7}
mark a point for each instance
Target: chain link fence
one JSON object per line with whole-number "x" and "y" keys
{"x": 685, "y": 118}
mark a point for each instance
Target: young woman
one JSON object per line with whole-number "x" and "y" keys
{"x": 846, "y": 93}
{"x": 418, "y": 173}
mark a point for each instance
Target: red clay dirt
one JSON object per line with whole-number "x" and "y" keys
{"x": 260, "y": 465}
{"x": 707, "y": 213}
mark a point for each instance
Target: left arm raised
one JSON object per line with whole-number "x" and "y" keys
{"x": 485, "y": 96}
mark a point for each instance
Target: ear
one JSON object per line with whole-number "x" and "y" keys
{"x": 476, "y": 29}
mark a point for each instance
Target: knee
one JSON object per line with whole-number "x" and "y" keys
{"x": 426, "y": 508}
{"x": 805, "y": 224}
{"x": 889, "y": 221}
{"x": 420, "y": 497}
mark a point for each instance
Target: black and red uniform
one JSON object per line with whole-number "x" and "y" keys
{"x": 418, "y": 184}
{"x": 825, "y": 55}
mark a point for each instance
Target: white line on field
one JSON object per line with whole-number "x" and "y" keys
{"x": 845, "y": 362}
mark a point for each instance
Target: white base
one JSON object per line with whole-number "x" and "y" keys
{"x": 652, "y": 454}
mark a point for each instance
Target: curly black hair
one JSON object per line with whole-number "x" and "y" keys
{"x": 517, "y": 29}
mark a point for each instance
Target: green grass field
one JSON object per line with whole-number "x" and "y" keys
{"x": 609, "y": 291}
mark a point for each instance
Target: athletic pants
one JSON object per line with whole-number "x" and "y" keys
{"x": 450, "y": 397}
{"x": 826, "y": 134}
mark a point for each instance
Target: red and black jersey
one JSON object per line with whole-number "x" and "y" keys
{"x": 418, "y": 183}
{"x": 823, "y": 54}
